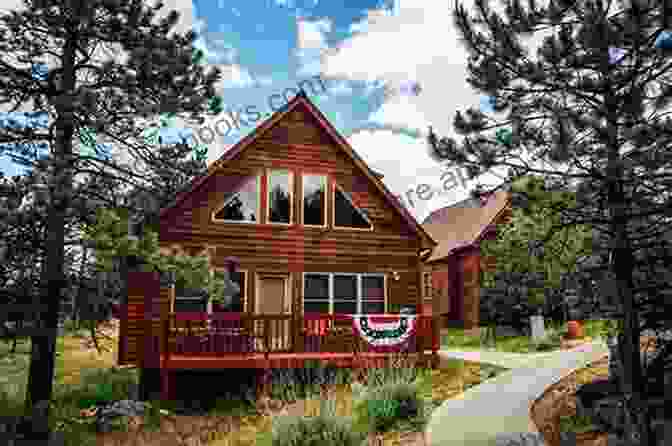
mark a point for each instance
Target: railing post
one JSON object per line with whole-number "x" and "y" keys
{"x": 166, "y": 341}
{"x": 267, "y": 337}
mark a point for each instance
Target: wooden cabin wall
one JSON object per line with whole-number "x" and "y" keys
{"x": 146, "y": 300}
{"x": 297, "y": 144}
{"x": 471, "y": 291}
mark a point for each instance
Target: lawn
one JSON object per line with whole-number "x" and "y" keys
{"x": 457, "y": 339}
{"x": 81, "y": 373}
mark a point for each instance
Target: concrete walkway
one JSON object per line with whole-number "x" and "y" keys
{"x": 502, "y": 405}
{"x": 502, "y": 359}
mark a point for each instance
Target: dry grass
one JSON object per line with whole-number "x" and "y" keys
{"x": 559, "y": 400}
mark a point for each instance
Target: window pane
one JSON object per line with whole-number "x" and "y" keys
{"x": 345, "y": 287}
{"x": 315, "y": 307}
{"x": 375, "y": 307}
{"x": 243, "y": 204}
{"x": 316, "y": 286}
{"x": 345, "y": 307}
{"x": 314, "y": 187}
{"x": 236, "y": 295}
{"x": 279, "y": 197}
{"x": 346, "y": 216}
{"x": 373, "y": 287}
{"x": 190, "y": 305}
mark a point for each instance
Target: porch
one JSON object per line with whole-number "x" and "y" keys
{"x": 240, "y": 340}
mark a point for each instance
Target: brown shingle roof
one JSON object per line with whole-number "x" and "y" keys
{"x": 462, "y": 226}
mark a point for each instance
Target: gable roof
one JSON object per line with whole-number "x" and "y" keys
{"x": 445, "y": 214}
{"x": 323, "y": 122}
{"x": 460, "y": 227}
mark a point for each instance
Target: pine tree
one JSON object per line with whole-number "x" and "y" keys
{"x": 592, "y": 107}
{"x": 82, "y": 93}
{"x": 524, "y": 259}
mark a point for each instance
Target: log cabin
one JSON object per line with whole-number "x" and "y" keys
{"x": 318, "y": 241}
{"x": 451, "y": 275}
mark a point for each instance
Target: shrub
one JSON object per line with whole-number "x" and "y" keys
{"x": 382, "y": 407}
{"x": 315, "y": 431}
{"x": 551, "y": 341}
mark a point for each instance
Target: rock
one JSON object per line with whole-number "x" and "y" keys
{"x": 520, "y": 439}
{"x": 109, "y": 412}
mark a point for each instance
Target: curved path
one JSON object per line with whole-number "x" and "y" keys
{"x": 501, "y": 405}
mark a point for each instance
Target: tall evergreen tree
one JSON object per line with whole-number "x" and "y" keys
{"x": 83, "y": 94}
{"x": 518, "y": 259}
{"x": 598, "y": 120}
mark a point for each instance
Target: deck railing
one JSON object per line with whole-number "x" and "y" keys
{"x": 218, "y": 334}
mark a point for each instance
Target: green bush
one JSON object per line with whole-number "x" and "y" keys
{"x": 97, "y": 386}
{"x": 315, "y": 431}
{"x": 551, "y": 341}
{"x": 383, "y": 407}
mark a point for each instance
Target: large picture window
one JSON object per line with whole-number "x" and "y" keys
{"x": 280, "y": 196}
{"x": 346, "y": 214}
{"x": 344, "y": 293}
{"x": 242, "y": 206}
{"x": 314, "y": 200}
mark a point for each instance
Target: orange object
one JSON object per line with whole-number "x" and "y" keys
{"x": 574, "y": 330}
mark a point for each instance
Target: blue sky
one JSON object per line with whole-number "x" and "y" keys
{"x": 365, "y": 52}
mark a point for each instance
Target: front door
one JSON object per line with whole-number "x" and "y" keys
{"x": 273, "y": 298}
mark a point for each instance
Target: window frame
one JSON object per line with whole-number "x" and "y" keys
{"x": 427, "y": 285}
{"x": 257, "y": 178}
{"x": 360, "y": 290}
{"x": 347, "y": 197}
{"x": 325, "y": 214}
{"x": 291, "y": 176}
{"x": 173, "y": 300}
{"x": 209, "y": 304}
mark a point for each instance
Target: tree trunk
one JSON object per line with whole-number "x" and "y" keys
{"x": 637, "y": 425}
{"x": 43, "y": 351}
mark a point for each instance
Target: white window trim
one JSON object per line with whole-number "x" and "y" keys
{"x": 244, "y": 292}
{"x": 324, "y": 204}
{"x": 242, "y": 222}
{"x": 359, "y": 277}
{"x": 347, "y": 197}
{"x": 268, "y": 197}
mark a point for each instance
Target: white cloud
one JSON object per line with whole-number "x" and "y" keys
{"x": 403, "y": 112}
{"x": 263, "y": 81}
{"x": 311, "y": 44}
{"x": 311, "y": 34}
{"x": 341, "y": 88}
{"x": 234, "y": 76}
{"x": 406, "y": 164}
{"x": 419, "y": 42}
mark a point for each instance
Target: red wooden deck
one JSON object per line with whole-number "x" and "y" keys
{"x": 225, "y": 340}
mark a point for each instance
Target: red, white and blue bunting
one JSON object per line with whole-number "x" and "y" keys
{"x": 383, "y": 333}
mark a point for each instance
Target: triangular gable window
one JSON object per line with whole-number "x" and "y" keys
{"x": 346, "y": 214}
{"x": 242, "y": 205}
